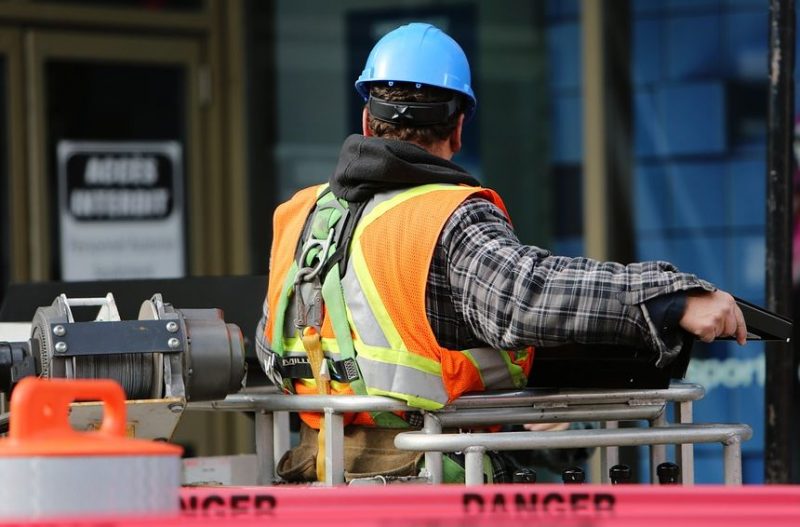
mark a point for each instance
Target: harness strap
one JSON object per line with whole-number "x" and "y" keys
{"x": 340, "y": 370}
{"x": 321, "y": 256}
{"x": 333, "y": 296}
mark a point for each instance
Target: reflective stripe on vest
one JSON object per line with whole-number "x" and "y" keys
{"x": 387, "y": 363}
{"x": 402, "y": 361}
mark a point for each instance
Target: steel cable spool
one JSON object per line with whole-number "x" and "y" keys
{"x": 135, "y": 372}
{"x": 166, "y": 352}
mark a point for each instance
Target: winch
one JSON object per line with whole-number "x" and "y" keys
{"x": 190, "y": 354}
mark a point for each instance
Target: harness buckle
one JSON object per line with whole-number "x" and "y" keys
{"x": 308, "y": 273}
{"x": 308, "y": 305}
{"x": 271, "y": 370}
{"x": 307, "y": 285}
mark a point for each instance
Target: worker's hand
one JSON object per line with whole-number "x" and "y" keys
{"x": 709, "y": 315}
{"x": 545, "y": 427}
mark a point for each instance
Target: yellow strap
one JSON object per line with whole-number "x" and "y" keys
{"x": 319, "y": 366}
{"x": 313, "y": 346}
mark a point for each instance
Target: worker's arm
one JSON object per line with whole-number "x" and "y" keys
{"x": 513, "y": 295}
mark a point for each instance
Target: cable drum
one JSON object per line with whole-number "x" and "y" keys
{"x": 133, "y": 371}
{"x": 204, "y": 359}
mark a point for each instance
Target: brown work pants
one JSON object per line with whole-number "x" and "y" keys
{"x": 368, "y": 452}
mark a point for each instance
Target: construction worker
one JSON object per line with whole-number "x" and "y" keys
{"x": 402, "y": 277}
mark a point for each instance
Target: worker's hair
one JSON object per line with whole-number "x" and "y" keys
{"x": 408, "y": 92}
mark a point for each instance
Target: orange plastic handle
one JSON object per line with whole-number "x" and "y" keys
{"x": 40, "y": 407}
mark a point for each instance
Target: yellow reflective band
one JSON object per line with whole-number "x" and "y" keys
{"x": 339, "y": 386}
{"x": 309, "y": 383}
{"x": 517, "y": 373}
{"x": 374, "y": 299}
{"x": 351, "y": 322}
{"x": 401, "y": 358}
{"x": 396, "y": 200}
{"x": 412, "y": 400}
{"x": 293, "y": 344}
{"x": 360, "y": 265}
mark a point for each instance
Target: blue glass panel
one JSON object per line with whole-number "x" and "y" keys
{"x": 695, "y": 5}
{"x": 733, "y": 377}
{"x": 744, "y": 374}
{"x": 746, "y": 42}
{"x": 647, "y": 6}
{"x": 648, "y": 132}
{"x": 562, "y": 9}
{"x": 694, "y": 118}
{"x": 693, "y": 47}
{"x": 652, "y": 247}
{"x": 567, "y": 140}
{"x": 746, "y": 4}
{"x": 753, "y": 467}
{"x": 704, "y": 256}
{"x": 647, "y": 46}
{"x": 708, "y": 463}
{"x": 748, "y": 262}
{"x": 568, "y": 246}
{"x": 698, "y": 195}
{"x": 563, "y": 56}
{"x": 652, "y": 198}
{"x": 748, "y": 192}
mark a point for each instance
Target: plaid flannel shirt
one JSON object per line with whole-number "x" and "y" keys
{"x": 485, "y": 287}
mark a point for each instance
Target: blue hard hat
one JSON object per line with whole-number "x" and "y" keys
{"x": 422, "y": 54}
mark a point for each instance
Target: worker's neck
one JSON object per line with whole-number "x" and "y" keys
{"x": 440, "y": 148}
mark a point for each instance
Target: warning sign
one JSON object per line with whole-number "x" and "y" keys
{"x": 121, "y": 210}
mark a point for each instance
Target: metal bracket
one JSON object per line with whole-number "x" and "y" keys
{"x": 124, "y": 336}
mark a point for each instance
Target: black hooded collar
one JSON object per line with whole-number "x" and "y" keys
{"x": 369, "y": 165}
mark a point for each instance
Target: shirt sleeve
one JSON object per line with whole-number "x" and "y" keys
{"x": 666, "y": 311}
{"x": 513, "y": 295}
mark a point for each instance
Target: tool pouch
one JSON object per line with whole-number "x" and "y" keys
{"x": 368, "y": 452}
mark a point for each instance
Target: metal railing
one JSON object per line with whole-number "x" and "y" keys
{"x": 475, "y": 445}
{"x": 508, "y": 407}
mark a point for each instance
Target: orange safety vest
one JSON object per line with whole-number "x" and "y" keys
{"x": 384, "y": 291}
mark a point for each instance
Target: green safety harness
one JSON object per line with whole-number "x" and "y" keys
{"x": 314, "y": 279}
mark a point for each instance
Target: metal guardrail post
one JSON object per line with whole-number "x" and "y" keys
{"x": 265, "y": 447}
{"x": 433, "y": 459}
{"x": 334, "y": 447}
{"x": 685, "y": 452}
{"x": 281, "y": 434}
{"x": 658, "y": 452}
{"x": 609, "y": 455}
{"x": 473, "y": 465}
{"x": 732, "y": 460}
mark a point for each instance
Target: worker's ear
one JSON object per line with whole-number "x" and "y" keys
{"x": 365, "y": 123}
{"x": 455, "y": 137}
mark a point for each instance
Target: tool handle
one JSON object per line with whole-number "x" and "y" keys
{"x": 40, "y": 407}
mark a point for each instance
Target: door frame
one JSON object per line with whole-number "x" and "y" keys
{"x": 41, "y": 46}
{"x": 11, "y": 48}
